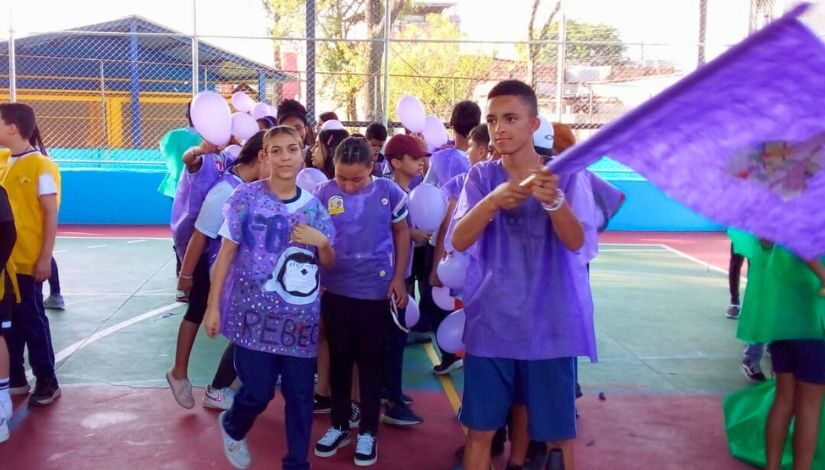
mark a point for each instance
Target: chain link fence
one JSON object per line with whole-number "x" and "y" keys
{"x": 106, "y": 93}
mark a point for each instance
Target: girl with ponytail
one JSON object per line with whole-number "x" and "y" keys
{"x": 32, "y": 181}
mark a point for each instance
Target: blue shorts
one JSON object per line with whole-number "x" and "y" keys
{"x": 804, "y": 358}
{"x": 547, "y": 387}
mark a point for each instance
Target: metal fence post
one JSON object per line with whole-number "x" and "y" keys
{"x": 195, "y": 58}
{"x": 310, "y": 44}
{"x": 562, "y": 51}
{"x": 12, "y": 59}
{"x": 386, "y": 106}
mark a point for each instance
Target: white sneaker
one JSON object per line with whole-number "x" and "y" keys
{"x": 6, "y": 408}
{"x": 236, "y": 451}
{"x": 4, "y": 429}
{"x": 218, "y": 398}
{"x": 181, "y": 390}
{"x": 54, "y": 302}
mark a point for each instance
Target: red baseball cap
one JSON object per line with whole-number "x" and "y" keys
{"x": 405, "y": 145}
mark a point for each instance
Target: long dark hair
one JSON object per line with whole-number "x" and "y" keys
{"x": 22, "y": 116}
{"x": 250, "y": 150}
{"x": 329, "y": 140}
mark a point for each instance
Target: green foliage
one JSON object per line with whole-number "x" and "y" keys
{"x": 439, "y": 74}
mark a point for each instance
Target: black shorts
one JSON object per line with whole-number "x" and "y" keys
{"x": 199, "y": 295}
{"x": 6, "y": 304}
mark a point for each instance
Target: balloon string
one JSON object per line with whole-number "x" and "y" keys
{"x": 394, "y": 313}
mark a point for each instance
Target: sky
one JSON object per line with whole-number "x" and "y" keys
{"x": 674, "y": 22}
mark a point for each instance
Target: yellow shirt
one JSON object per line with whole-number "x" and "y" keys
{"x": 22, "y": 181}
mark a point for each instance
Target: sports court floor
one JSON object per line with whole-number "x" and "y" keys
{"x": 667, "y": 357}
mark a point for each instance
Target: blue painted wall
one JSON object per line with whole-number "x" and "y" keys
{"x": 113, "y": 197}
{"x": 130, "y": 197}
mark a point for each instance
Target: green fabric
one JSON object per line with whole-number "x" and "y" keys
{"x": 746, "y": 414}
{"x": 782, "y": 296}
{"x": 172, "y": 146}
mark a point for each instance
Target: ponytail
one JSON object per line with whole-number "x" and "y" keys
{"x": 36, "y": 141}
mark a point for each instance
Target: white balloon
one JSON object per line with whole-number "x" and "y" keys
{"x": 242, "y": 102}
{"x": 411, "y": 113}
{"x": 233, "y": 150}
{"x": 260, "y": 110}
{"x": 212, "y": 118}
{"x": 427, "y": 207}
{"x": 443, "y": 299}
{"x": 434, "y": 132}
{"x": 243, "y": 126}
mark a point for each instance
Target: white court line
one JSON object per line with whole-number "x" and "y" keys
{"x": 96, "y": 246}
{"x": 55, "y": 252}
{"x": 68, "y": 351}
{"x": 137, "y": 241}
{"x": 695, "y": 260}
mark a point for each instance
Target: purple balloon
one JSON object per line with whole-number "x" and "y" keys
{"x": 309, "y": 178}
{"x": 451, "y": 332}
{"x": 453, "y": 270}
{"x": 442, "y": 298}
{"x": 211, "y": 117}
{"x": 412, "y": 314}
{"x": 427, "y": 207}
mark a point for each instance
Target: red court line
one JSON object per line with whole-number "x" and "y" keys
{"x": 102, "y": 231}
{"x": 710, "y": 247}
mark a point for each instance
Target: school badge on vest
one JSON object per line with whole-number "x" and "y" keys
{"x": 335, "y": 205}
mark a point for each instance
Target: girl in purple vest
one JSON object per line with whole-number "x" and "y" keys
{"x": 199, "y": 255}
{"x": 265, "y": 298}
{"x": 371, "y": 236}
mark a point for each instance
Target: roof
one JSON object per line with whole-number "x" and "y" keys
{"x": 161, "y": 60}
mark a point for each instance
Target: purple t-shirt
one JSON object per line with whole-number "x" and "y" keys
{"x": 271, "y": 299}
{"x": 191, "y": 191}
{"x": 210, "y": 219}
{"x": 452, "y": 189}
{"x": 526, "y": 296}
{"x": 445, "y": 164}
{"x": 364, "y": 246}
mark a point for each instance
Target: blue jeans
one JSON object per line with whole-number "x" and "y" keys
{"x": 30, "y": 328}
{"x": 258, "y": 372}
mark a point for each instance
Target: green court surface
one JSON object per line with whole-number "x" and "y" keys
{"x": 659, "y": 319}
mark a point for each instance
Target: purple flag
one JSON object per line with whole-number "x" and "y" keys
{"x": 740, "y": 140}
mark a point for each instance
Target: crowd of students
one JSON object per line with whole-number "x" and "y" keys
{"x": 310, "y": 285}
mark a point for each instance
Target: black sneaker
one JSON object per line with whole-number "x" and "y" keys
{"x": 752, "y": 372}
{"x": 45, "y": 392}
{"x": 405, "y": 399}
{"x": 401, "y": 415}
{"x": 366, "y": 450}
{"x": 330, "y": 442}
{"x": 355, "y": 415}
{"x": 321, "y": 404}
{"x": 19, "y": 386}
{"x": 733, "y": 312}
{"x": 448, "y": 365}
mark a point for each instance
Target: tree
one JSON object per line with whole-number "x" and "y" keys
{"x": 345, "y": 66}
{"x": 439, "y": 74}
{"x": 534, "y": 50}
{"x": 605, "y": 46}
{"x": 287, "y": 17}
